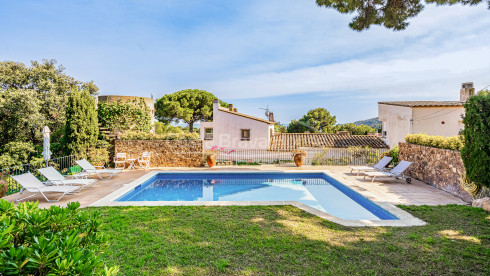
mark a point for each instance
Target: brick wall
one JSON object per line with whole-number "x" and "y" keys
{"x": 437, "y": 167}
{"x": 164, "y": 153}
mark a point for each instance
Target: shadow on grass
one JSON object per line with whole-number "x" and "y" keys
{"x": 274, "y": 240}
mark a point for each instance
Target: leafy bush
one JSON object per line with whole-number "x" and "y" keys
{"x": 54, "y": 241}
{"x": 354, "y": 129}
{"x": 476, "y": 151}
{"x": 133, "y": 115}
{"x": 16, "y": 153}
{"x": 393, "y": 153}
{"x": 137, "y": 135}
{"x": 451, "y": 143}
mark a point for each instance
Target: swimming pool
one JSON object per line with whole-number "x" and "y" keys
{"x": 317, "y": 190}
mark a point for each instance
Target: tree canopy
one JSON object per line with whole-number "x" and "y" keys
{"x": 133, "y": 115}
{"x": 190, "y": 106}
{"x": 316, "y": 120}
{"x": 392, "y": 14}
{"x": 31, "y": 97}
{"x": 354, "y": 129}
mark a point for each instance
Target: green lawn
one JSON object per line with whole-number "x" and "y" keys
{"x": 283, "y": 240}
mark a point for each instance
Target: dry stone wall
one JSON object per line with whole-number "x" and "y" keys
{"x": 164, "y": 153}
{"x": 437, "y": 167}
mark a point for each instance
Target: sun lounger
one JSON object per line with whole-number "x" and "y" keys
{"x": 31, "y": 184}
{"x": 54, "y": 177}
{"x": 90, "y": 169}
{"x": 396, "y": 172}
{"x": 380, "y": 166}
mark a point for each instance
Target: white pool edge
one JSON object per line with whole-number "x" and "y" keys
{"x": 405, "y": 219}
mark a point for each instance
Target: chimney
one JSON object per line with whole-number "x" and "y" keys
{"x": 235, "y": 109}
{"x": 467, "y": 90}
{"x": 230, "y": 107}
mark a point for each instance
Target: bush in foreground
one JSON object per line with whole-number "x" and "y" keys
{"x": 54, "y": 241}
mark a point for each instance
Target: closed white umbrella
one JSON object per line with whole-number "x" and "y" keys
{"x": 46, "y": 144}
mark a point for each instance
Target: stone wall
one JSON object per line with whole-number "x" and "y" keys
{"x": 164, "y": 153}
{"x": 437, "y": 167}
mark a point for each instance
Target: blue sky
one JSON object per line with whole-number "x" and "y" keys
{"x": 288, "y": 54}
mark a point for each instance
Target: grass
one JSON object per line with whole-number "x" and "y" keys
{"x": 283, "y": 240}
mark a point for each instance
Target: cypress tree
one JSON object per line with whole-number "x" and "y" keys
{"x": 81, "y": 130}
{"x": 476, "y": 150}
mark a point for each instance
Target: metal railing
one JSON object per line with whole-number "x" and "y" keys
{"x": 65, "y": 165}
{"x": 328, "y": 156}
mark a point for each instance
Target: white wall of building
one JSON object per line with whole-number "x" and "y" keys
{"x": 444, "y": 121}
{"x": 398, "y": 121}
{"x": 227, "y": 131}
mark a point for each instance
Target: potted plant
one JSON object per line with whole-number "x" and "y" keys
{"x": 212, "y": 155}
{"x": 3, "y": 184}
{"x": 299, "y": 157}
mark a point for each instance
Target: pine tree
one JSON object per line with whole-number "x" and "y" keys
{"x": 81, "y": 130}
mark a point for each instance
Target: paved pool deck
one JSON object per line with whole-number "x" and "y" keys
{"x": 387, "y": 190}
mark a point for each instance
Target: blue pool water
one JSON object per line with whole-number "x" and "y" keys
{"x": 317, "y": 190}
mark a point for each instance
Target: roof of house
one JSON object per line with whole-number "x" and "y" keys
{"x": 291, "y": 141}
{"x": 425, "y": 103}
{"x": 246, "y": 116}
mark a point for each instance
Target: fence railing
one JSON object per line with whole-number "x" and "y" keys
{"x": 328, "y": 156}
{"x": 66, "y": 165}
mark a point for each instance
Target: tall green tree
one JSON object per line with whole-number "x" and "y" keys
{"x": 45, "y": 87}
{"x": 316, "y": 120}
{"x": 190, "y": 106}
{"x": 476, "y": 149}
{"x": 392, "y": 14}
{"x": 81, "y": 130}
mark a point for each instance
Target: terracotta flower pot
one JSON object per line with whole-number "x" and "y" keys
{"x": 211, "y": 160}
{"x": 3, "y": 188}
{"x": 299, "y": 159}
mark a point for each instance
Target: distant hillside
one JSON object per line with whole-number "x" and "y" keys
{"x": 373, "y": 122}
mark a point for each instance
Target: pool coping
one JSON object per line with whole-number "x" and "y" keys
{"x": 405, "y": 219}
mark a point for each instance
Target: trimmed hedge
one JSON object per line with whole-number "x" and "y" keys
{"x": 451, "y": 143}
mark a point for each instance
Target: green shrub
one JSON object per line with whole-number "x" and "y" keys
{"x": 451, "y": 143}
{"x": 394, "y": 153}
{"x": 19, "y": 152}
{"x": 54, "y": 241}
{"x": 6, "y": 161}
{"x": 476, "y": 151}
{"x": 133, "y": 115}
{"x": 137, "y": 135}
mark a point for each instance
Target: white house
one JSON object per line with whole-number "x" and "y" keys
{"x": 441, "y": 118}
{"x": 235, "y": 130}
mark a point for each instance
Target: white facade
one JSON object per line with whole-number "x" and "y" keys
{"x": 398, "y": 121}
{"x": 230, "y": 129}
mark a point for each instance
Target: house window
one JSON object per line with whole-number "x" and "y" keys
{"x": 384, "y": 133}
{"x": 246, "y": 134}
{"x": 208, "y": 134}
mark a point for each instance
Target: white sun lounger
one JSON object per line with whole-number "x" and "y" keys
{"x": 54, "y": 177}
{"x": 90, "y": 169}
{"x": 380, "y": 166}
{"x": 396, "y": 172}
{"x": 31, "y": 184}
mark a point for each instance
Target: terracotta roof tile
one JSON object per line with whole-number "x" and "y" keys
{"x": 424, "y": 103}
{"x": 291, "y": 141}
